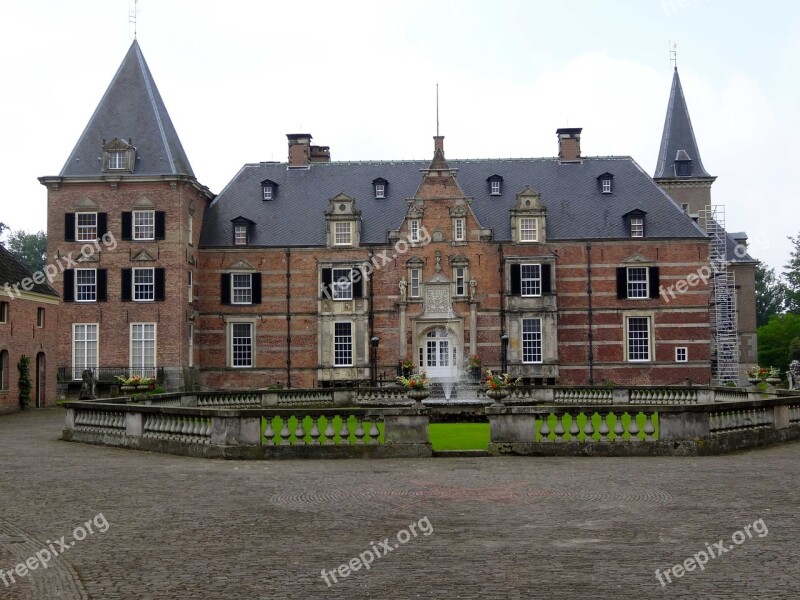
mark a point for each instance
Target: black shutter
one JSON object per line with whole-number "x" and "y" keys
{"x": 102, "y": 224}
{"x": 622, "y": 283}
{"x": 102, "y": 285}
{"x": 358, "y": 283}
{"x": 69, "y": 227}
{"x": 327, "y": 284}
{"x": 225, "y": 288}
{"x": 546, "y": 282}
{"x": 127, "y": 225}
{"x": 654, "y": 282}
{"x": 256, "y": 288}
{"x": 161, "y": 227}
{"x": 69, "y": 286}
{"x": 516, "y": 280}
{"x": 125, "y": 284}
{"x": 159, "y": 278}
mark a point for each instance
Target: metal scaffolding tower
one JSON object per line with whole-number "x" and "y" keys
{"x": 724, "y": 335}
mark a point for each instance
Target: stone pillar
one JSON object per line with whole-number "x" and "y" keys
{"x": 134, "y": 424}
{"x": 780, "y": 418}
{"x": 403, "y": 333}
{"x": 473, "y": 328}
{"x": 406, "y": 429}
{"x": 69, "y": 419}
{"x": 235, "y": 431}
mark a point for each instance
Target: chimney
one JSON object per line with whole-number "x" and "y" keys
{"x": 320, "y": 154}
{"x": 569, "y": 144}
{"x": 438, "y": 143}
{"x": 299, "y": 149}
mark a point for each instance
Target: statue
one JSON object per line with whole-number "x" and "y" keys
{"x": 472, "y": 285}
{"x": 89, "y": 386}
{"x": 403, "y": 288}
{"x": 793, "y": 374}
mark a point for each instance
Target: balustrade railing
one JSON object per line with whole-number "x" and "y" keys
{"x": 737, "y": 420}
{"x": 229, "y": 399}
{"x": 332, "y": 428}
{"x": 599, "y": 426}
{"x": 107, "y": 422}
{"x": 178, "y": 428}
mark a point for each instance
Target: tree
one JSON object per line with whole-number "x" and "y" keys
{"x": 791, "y": 274}
{"x": 770, "y": 294}
{"x": 779, "y": 341}
{"x": 30, "y": 248}
{"x": 25, "y": 386}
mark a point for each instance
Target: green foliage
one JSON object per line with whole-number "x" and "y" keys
{"x": 770, "y": 294}
{"x": 791, "y": 274}
{"x": 779, "y": 341}
{"x": 30, "y": 248}
{"x": 25, "y": 387}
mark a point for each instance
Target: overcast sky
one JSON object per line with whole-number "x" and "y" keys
{"x": 236, "y": 76}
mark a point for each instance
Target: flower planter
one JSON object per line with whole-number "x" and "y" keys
{"x": 497, "y": 394}
{"x": 130, "y": 388}
{"x": 753, "y": 380}
{"x": 418, "y": 394}
{"x": 773, "y": 380}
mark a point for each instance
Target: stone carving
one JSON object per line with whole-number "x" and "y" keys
{"x": 89, "y": 386}
{"x": 438, "y": 301}
{"x": 403, "y": 287}
{"x": 472, "y": 286}
{"x": 793, "y": 374}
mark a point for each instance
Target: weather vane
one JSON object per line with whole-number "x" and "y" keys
{"x": 133, "y": 14}
{"x": 673, "y": 54}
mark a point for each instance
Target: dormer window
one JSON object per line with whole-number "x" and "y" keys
{"x": 118, "y": 155}
{"x": 495, "y": 185}
{"x": 116, "y": 160}
{"x": 380, "y": 186}
{"x": 268, "y": 190}
{"x": 606, "y": 181}
{"x": 683, "y": 164}
{"x": 637, "y": 227}
{"x": 343, "y": 233}
{"x": 528, "y": 229}
{"x": 635, "y": 222}
{"x": 241, "y": 231}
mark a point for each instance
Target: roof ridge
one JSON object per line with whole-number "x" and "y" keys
{"x": 147, "y": 79}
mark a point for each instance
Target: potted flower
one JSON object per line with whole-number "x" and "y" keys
{"x": 407, "y": 366}
{"x": 474, "y": 367}
{"x": 498, "y": 386}
{"x": 416, "y": 386}
{"x": 773, "y": 376}
{"x": 756, "y": 374}
{"x": 135, "y": 382}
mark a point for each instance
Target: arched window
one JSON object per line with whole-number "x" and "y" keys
{"x": 4, "y": 370}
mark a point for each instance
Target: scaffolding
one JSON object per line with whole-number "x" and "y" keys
{"x": 724, "y": 335}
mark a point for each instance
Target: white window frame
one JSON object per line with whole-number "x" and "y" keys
{"x": 528, "y": 229}
{"x": 533, "y": 279}
{"x": 649, "y": 339}
{"x": 245, "y": 292}
{"x": 4, "y": 306}
{"x": 266, "y": 191}
{"x": 495, "y": 185}
{"x": 40, "y": 316}
{"x": 458, "y": 229}
{"x": 605, "y": 184}
{"x": 342, "y": 285}
{"x": 240, "y": 235}
{"x": 637, "y": 227}
{"x": 343, "y": 343}
{"x": 532, "y": 342}
{"x": 84, "y": 232}
{"x": 684, "y": 351}
{"x": 141, "y": 294}
{"x": 246, "y": 358}
{"x": 145, "y": 227}
{"x": 460, "y": 280}
{"x": 79, "y": 366}
{"x": 414, "y": 282}
{"x": 637, "y": 283}
{"x": 342, "y": 233}
{"x": 190, "y": 229}
{"x": 191, "y": 286}
{"x": 117, "y": 160}
{"x": 89, "y": 288}
{"x": 144, "y": 337}
{"x": 413, "y": 230}
{"x": 191, "y": 344}
{"x": 380, "y": 190}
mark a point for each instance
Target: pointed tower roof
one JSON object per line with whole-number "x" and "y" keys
{"x": 678, "y": 142}
{"x": 131, "y": 109}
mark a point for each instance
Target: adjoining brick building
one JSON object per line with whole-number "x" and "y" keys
{"x": 314, "y": 272}
{"x": 28, "y": 308}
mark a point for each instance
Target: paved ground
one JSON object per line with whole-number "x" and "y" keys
{"x": 502, "y": 528}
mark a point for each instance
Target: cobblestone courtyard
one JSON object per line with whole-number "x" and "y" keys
{"x": 503, "y": 528}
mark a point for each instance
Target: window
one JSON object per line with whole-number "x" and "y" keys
{"x": 242, "y": 288}
{"x": 85, "y": 285}
{"x": 605, "y": 186}
{"x": 84, "y": 348}
{"x": 4, "y": 370}
{"x": 342, "y": 233}
{"x": 413, "y": 230}
{"x": 343, "y": 344}
{"x": 116, "y": 159}
{"x": 190, "y": 230}
{"x": 144, "y": 285}
{"x": 267, "y": 192}
{"x": 531, "y": 340}
{"x": 683, "y": 168}
{"x": 458, "y": 229}
{"x": 685, "y": 206}
{"x": 40, "y": 317}
{"x": 638, "y": 282}
{"x": 638, "y": 339}
{"x": 143, "y": 349}
{"x": 342, "y": 284}
{"x": 681, "y": 354}
{"x": 85, "y": 227}
{"x": 240, "y": 235}
{"x": 531, "y": 280}
{"x": 191, "y": 286}
{"x": 528, "y": 230}
{"x": 241, "y": 345}
{"x": 191, "y": 344}
{"x": 637, "y": 227}
{"x": 414, "y": 275}
{"x": 380, "y": 190}
{"x": 460, "y": 276}
{"x": 3, "y": 312}
{"x": 144, "y": 225}
{"x": 495, "y": 187}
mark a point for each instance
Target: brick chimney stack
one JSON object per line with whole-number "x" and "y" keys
{"x": 569, "y": 144}
{"x": 438, "y": 143}
{"x": 302, "y": 153}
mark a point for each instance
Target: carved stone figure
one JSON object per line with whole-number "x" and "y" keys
{"x": 793, "y": 374}
{"x": 403, "y": 287}
{"x": 89, "y": 386}
{"x": 472, "y": 285}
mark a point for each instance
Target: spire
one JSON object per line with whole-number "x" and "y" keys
{"x": 678, "y": 156}
{"x": 131, "y": 109}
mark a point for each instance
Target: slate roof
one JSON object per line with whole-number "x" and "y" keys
{"x": 131, "y": 108}
{"x": 571, "y": 193}
{"x": 678, "y": 136}
{"x": 12, "y": 271}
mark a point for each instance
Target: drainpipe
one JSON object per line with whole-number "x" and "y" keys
{"x": 502, "y": 296}
{"x": 288, "y": 318}
{"x": 373, "y": 349}
{"x": 590, "y": 315}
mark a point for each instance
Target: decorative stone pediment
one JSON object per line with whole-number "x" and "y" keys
{"x": 342, "y": 205}
{"x": 637, "y": 258}
{"x": 415, "y": 212}
{"x": 241, "y": 265}
{"x": 458, "y": 211}
{"x": 143, "y": 255}
{"x": 117, "y": 144}
{"x": 528, "y": 200}
{"x": 91, "y": 258}
{"x": 459, "y": 261}
{"x": 85, "y": 203}
{"x": 415, "y": 262}
{"x": 143, "y": 202}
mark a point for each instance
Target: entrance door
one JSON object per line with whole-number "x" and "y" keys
{"x": 439, "y": 356}
{"x": 40, "y": 383}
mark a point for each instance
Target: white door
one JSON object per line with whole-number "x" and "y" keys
{"x": 439, "y": 355}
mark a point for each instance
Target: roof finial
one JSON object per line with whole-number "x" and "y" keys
{"x": 673, "y": 54}
{"x": 133, "y": 14}
{"x": 437, "y": 108}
